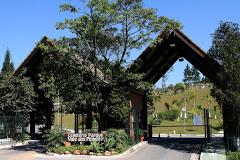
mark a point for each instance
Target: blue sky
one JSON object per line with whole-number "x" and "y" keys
{"x": 25, "y": 22}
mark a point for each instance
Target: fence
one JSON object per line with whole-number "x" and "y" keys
{"x": 11, "y": 128}
{"x": 191, "y": 131}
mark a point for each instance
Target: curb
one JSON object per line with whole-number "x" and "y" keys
{"x": 7, "y": 146}
{"x": 129, "y": 151}
{"x": 194, "y": 156}
{"x": 18, "y": 144}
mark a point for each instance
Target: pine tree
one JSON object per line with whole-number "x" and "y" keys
{"x": 187, "y": 75}
{"x": 195, "y": 75}
{"x": 8, "y": 67}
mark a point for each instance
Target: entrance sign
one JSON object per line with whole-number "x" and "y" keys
{"x": 85, "y": 137}
{"x": 197, "y": 120}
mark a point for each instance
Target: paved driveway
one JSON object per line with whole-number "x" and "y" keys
{"x": 148, "y": 152}
{"x": 152, "y": 151}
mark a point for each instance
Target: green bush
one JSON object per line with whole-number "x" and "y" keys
{"x": 109, "y": 143}
{"x": 22, "y": 136}
{"x": 141, "y": 132}
{"x": 63, "y": 149}
{"x": 54, "y": 138}
{"x": 58, "y": 149}
{"x": 95, "y": 147}
{"x": 168, "y": 115}
{"x": 154, "y": 120}
{"x": 72, "y": 148}
{"x": 233, "y": 156}
{"x": 83, "y": 147}
{"x": 120, "y": 138}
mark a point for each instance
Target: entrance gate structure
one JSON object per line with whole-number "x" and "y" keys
{"x": 157, "y": 59}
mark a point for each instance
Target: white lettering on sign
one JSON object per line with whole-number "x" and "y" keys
{"x": 85, "y": 137}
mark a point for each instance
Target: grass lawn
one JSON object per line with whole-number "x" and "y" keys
{"x": 67, "y": 121}
{"x": 181, "y": 129}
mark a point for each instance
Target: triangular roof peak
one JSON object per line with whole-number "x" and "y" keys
{"x": 159, "y": 56}
{"x": 45, "y": 40}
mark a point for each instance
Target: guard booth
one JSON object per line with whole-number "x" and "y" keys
{"x": 157, "y": 59}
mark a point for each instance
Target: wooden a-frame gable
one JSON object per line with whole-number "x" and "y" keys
{"x": 158, "y": 57}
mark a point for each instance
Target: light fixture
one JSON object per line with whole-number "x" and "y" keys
{"x": 181, "y": 59}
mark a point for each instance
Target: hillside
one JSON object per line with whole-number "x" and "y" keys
{"x": 201, "y": 92}
{"x": 172, "y": 100}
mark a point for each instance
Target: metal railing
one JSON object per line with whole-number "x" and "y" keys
{"x": 11, "y": 128}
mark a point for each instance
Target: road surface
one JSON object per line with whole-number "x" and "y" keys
{"x": 154, "y": 151}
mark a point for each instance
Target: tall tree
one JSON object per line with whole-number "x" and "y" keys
{"x": 195, "y": 75}
{"x": 17, "y": 98}
{"x": 187, "y": 75}
{"x": 8, "y": 67}
{"x": 109, "y": 30}
{"x": 105, "y": 33}
{"x": 226, "y": 50}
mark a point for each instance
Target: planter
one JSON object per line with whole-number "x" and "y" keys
{"x": 76, "y": 152}
{"x": 84, "y": 152}
{"x": 114, "y": 152}
{"x": 99, "y": 154}
{"x": 107, "y": 153}
{"x": 67, "y": 144}
{"x": 140, "y": 138}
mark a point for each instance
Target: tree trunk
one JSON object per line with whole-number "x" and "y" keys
{"x": 32, "y": 125}
{"x": 49, "y": 114}
{"x": 89, "y": 120}
{"x": 231, "y": 128}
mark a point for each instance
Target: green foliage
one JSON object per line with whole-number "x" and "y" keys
{"x": 95, "y": 147}
{"x": 225, "y": 49}
{"x": 168, "y": 115}
{"x": 114, "y": 27}
{"x": 179, "y": 87}
{"x": 103, "y": 37}
{"x": 195, "y": 75}
{"x": 141, "y": 132}
{"x": 70, "y": 75}
{"x": 187, "y": 75}
{"x": 120, "y": 138}
{"x": 23, "y": 136}
{"x": 8, "y": 67}
{"x": 191, "y": 75}
{"x": 233, "y": 156}
{"x": 109, "y": 143}
{"x": 54, "y": 138}
{"x": 154, "y": 120}
{"x": 17, "y": 95}
{"x": 58, "y": 149}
